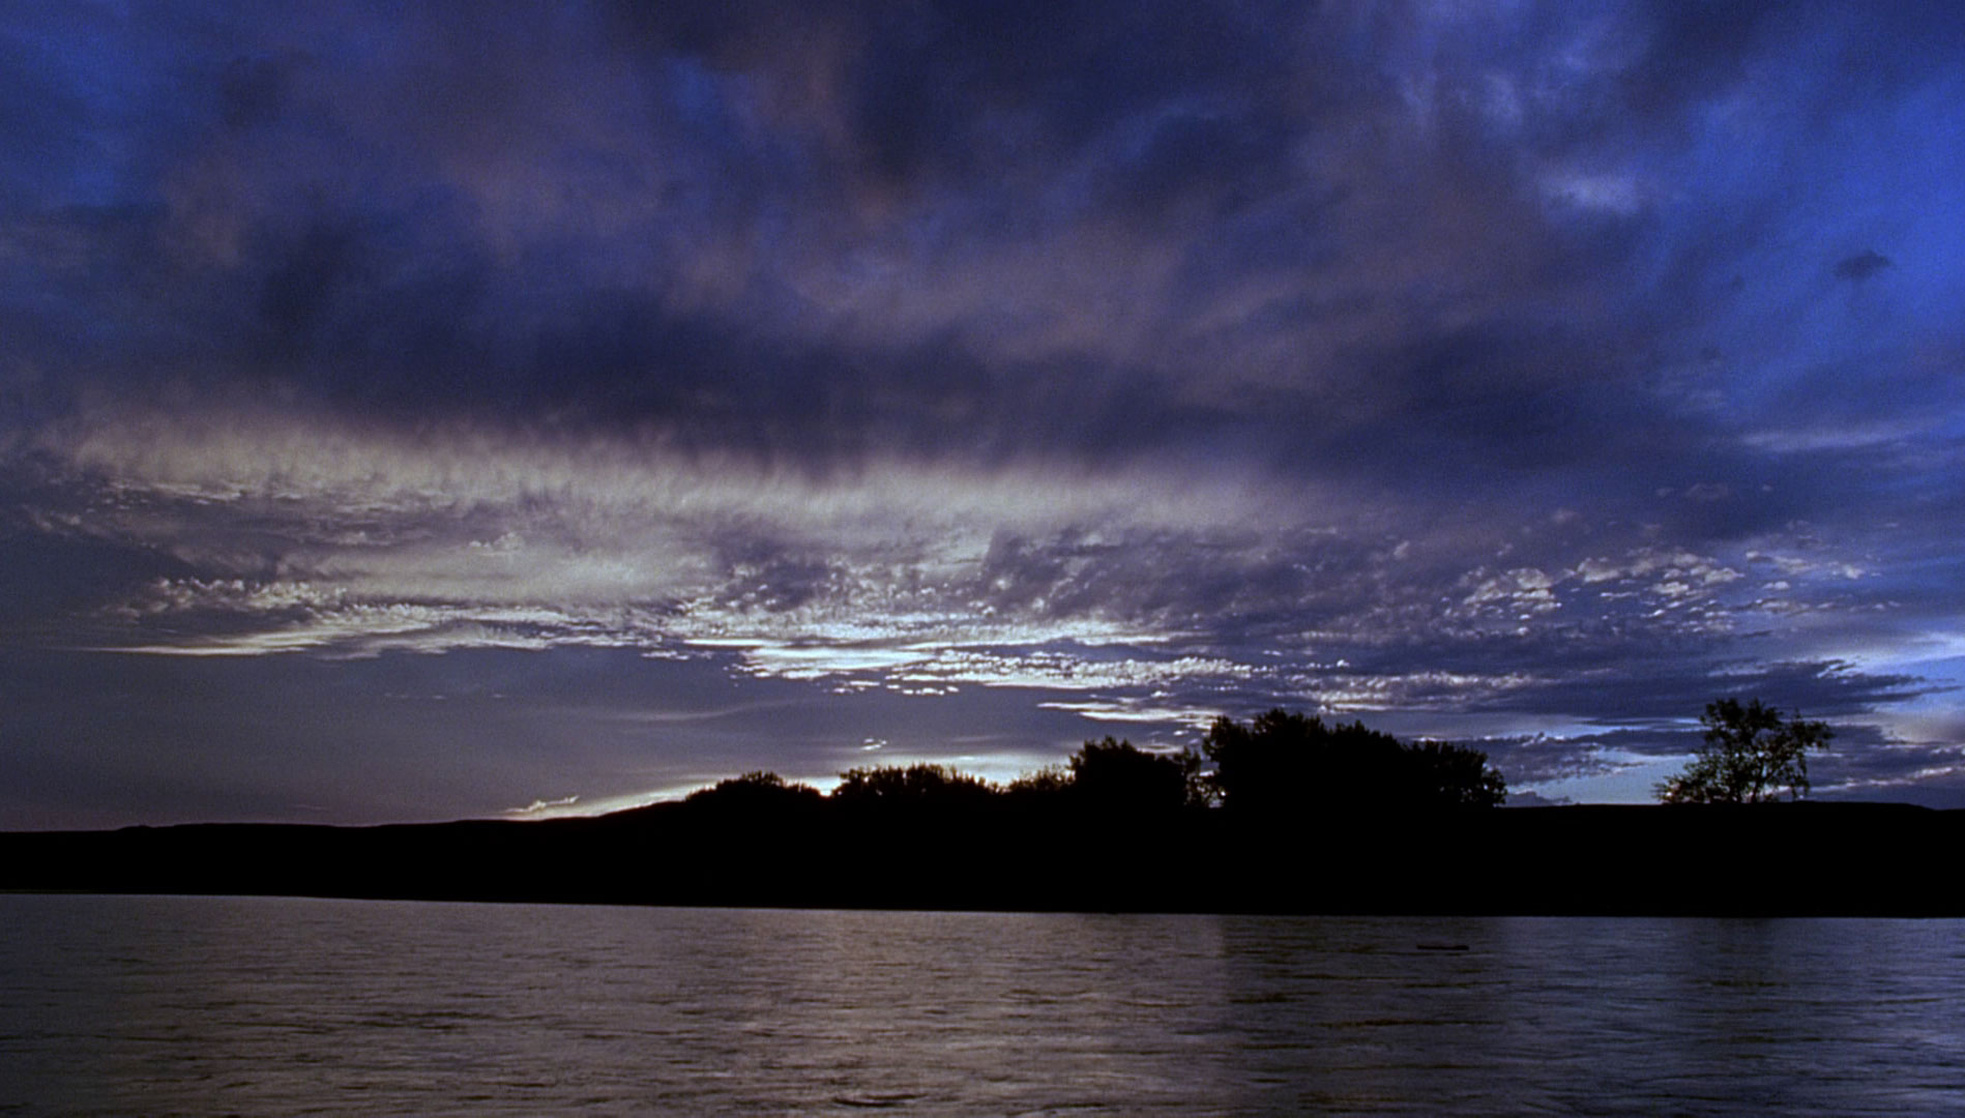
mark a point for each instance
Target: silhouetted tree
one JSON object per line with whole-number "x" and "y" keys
{"x": 915, "y": 785}
{"x": 1048, "y": 785}
{"x": 1284, "y": 762}
{"x": 1117, "y": 775}
{"x": 1749, "y": 755}
{"x": 1454, "y": 776}
{"x": 755, "y": 791}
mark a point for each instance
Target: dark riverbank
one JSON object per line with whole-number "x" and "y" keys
{"x": 1769, "y": 859}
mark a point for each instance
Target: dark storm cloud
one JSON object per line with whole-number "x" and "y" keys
{"x": 464, "y": 219}
{"x": 349, "y": 240}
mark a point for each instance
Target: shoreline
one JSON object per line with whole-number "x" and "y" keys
{"x": 1787, "y": 859}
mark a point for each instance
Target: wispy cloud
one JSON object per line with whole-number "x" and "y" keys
{"x": 920, "y": 577}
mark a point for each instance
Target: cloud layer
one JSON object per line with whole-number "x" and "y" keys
{"x": 1525, "y": 373}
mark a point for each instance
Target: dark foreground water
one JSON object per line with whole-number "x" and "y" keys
{"x": 153, "y": 1005}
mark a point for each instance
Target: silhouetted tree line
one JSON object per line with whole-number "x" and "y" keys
{"x": 1278, "y": 765}
{"x": 1282, "y": 813}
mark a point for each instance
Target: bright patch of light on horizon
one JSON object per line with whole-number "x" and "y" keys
{"x": 1910, "y": 779}
{"x": 578, "y": 807}
{"x": 1632, "y": 780}
{"x": 542, "y": 809}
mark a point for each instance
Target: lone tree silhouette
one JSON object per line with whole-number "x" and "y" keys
{"x": 1750, "y": 754}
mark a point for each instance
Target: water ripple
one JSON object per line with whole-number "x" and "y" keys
{"x": 112, "y": 1005}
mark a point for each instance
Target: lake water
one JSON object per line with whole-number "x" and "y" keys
{"x": 198, "y": 1005}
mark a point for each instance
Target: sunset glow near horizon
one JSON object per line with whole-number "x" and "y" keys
{"x": 521, "y": 410}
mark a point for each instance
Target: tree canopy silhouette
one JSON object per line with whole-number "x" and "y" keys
{"x": 911, "y": 786}
{"x": 1118, "y": 775}
{"x": 1283, "y": 762}
{"x": 755, "y": 792}
{"x": 1750, "y": 754}
{"x": 1046, "y": 785}
{"x": 1277, "y": 764}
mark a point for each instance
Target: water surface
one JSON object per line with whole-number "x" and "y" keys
{"x": 196, "y": 1005}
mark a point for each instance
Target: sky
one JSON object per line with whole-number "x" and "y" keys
{"x": 508, "y": 410}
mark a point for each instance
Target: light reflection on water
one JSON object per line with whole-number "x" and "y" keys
{"x": 119, "y": 1005}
